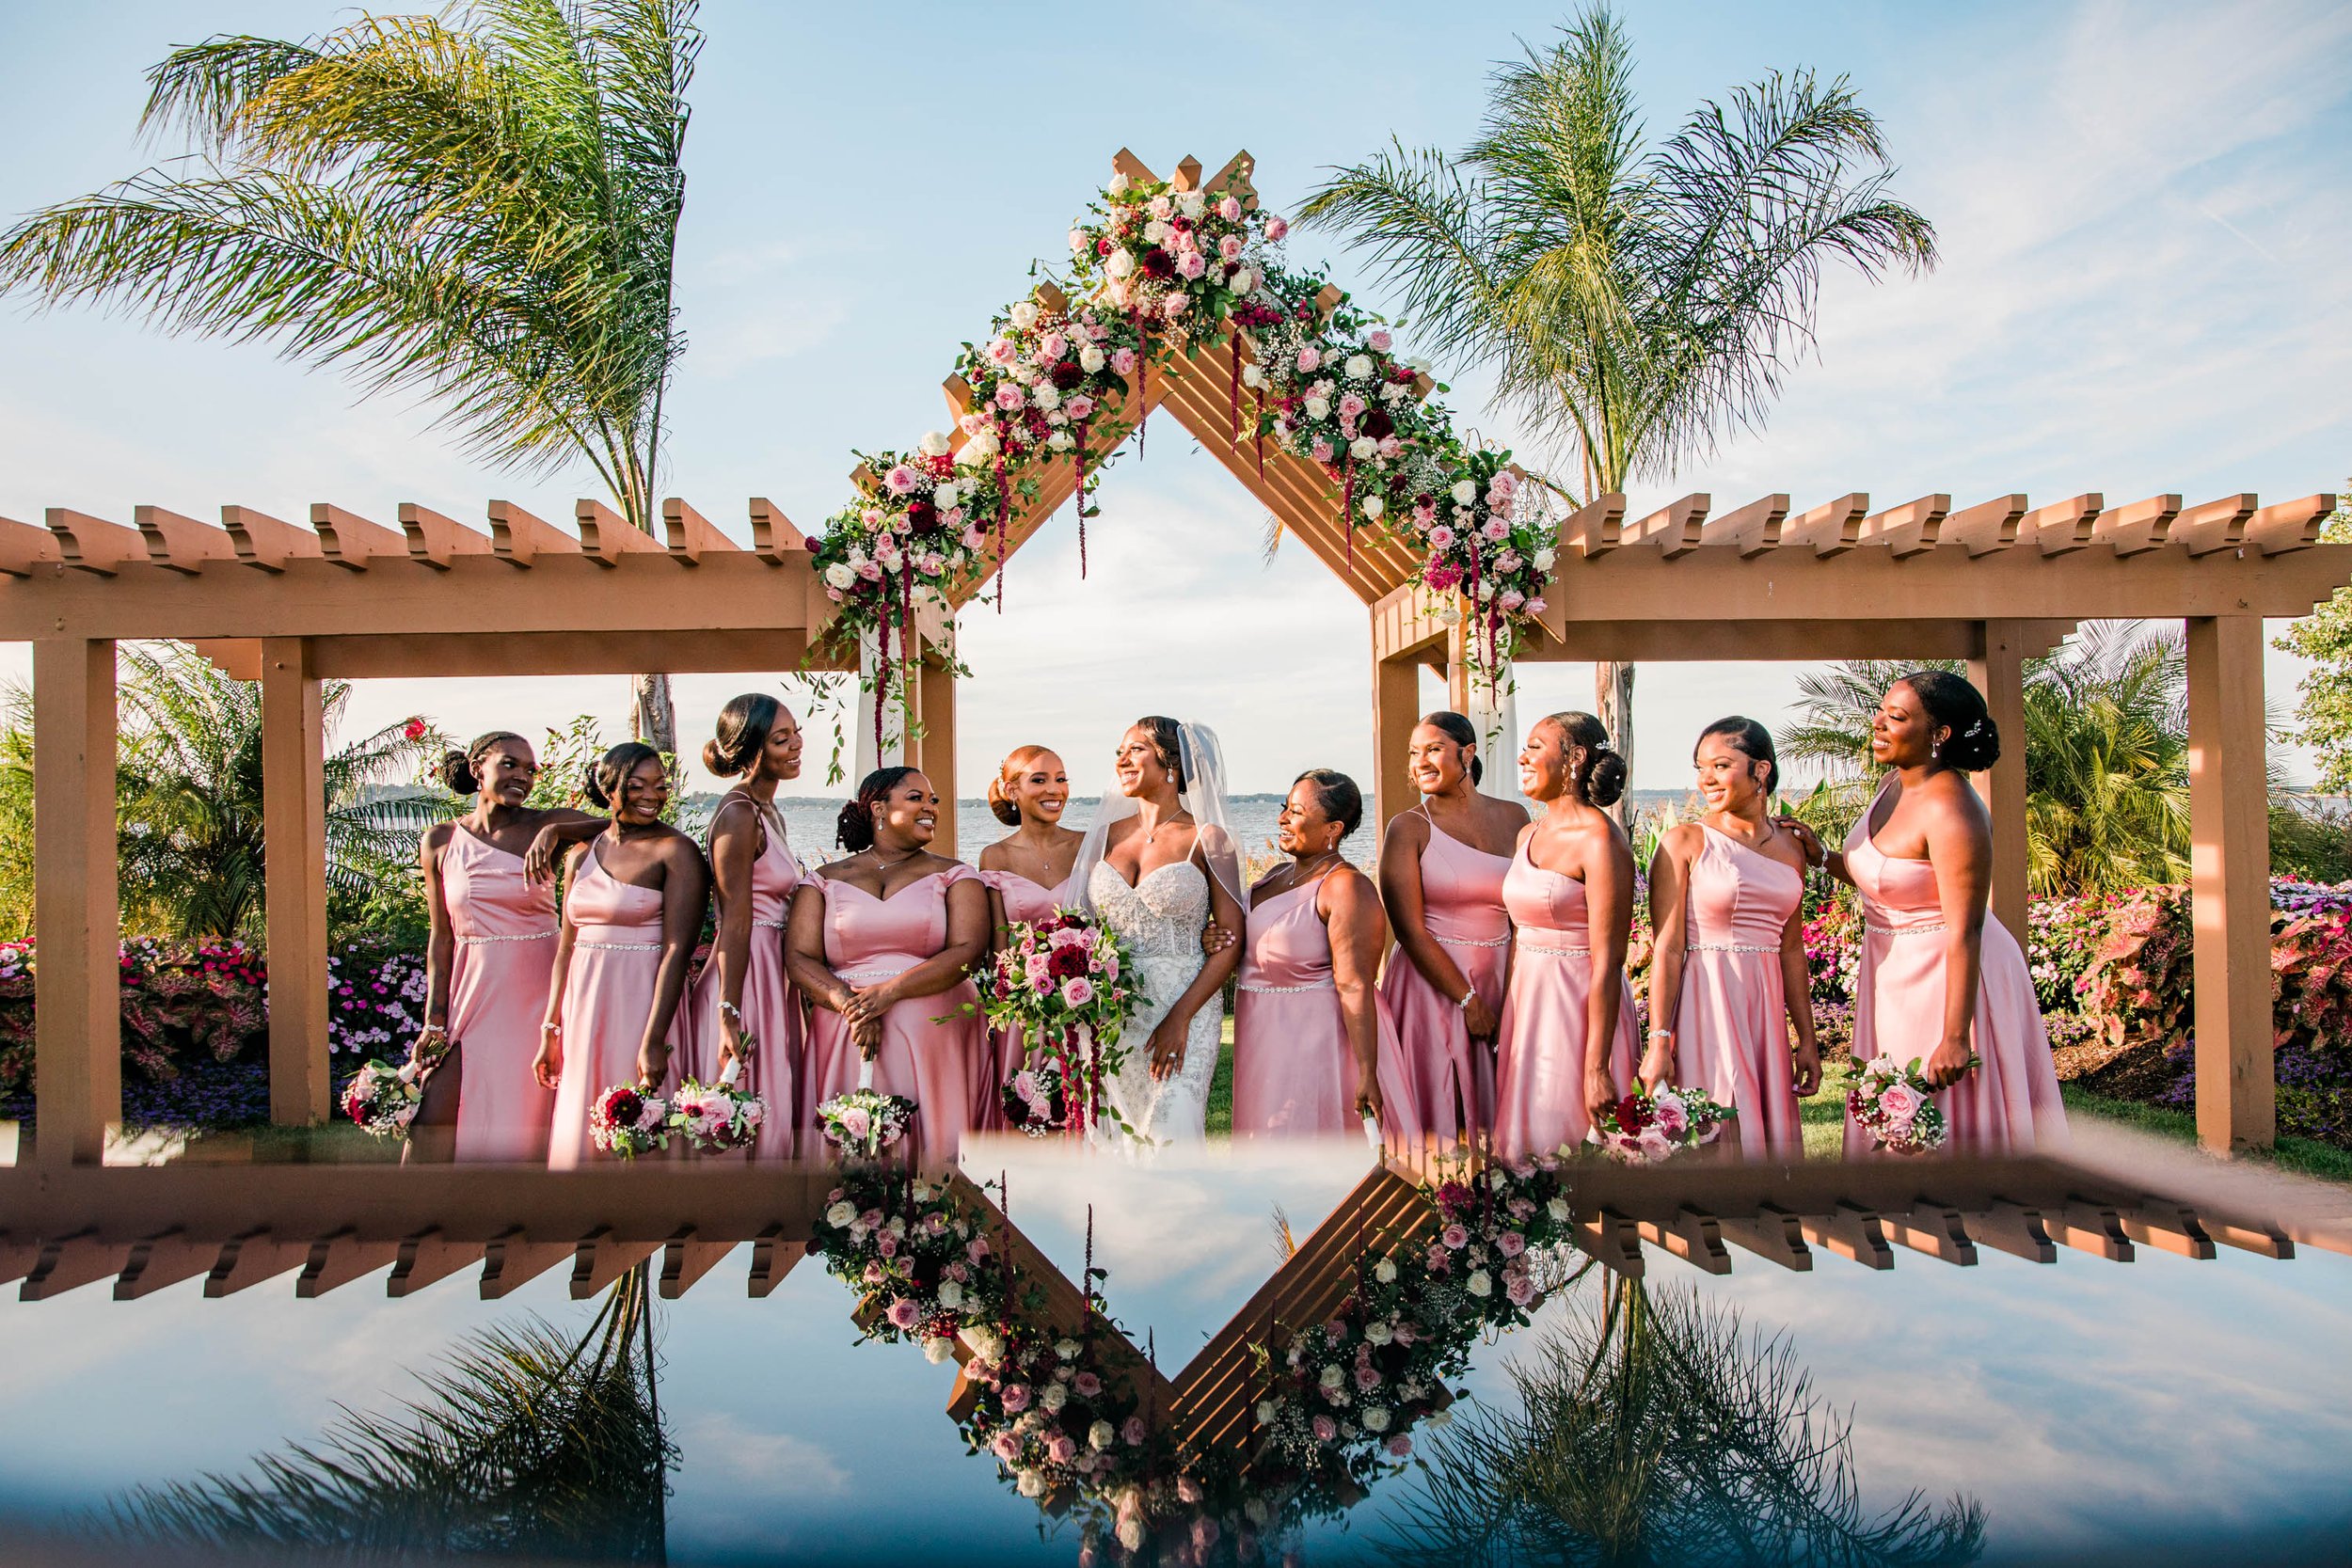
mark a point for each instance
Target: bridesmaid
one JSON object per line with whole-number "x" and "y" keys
{"x": 1313, "y": 1048}
{"x": 879, "y": 943}
{"x": 488, "y": 963}
{"x": 1566, "y": 1042}
{"x": 1028, "y": 874}
{"x": 1441, "y": 869}
{"x": 1728, "y": 977}
{"x": 743, "y": 988}
{"x": 631, "y": 922}
{"x": 1938, "y": 980}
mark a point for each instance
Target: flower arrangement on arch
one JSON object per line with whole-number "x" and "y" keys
{"x": 1062, "y": 982}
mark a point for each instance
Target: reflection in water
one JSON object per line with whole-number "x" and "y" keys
{"x": 527, "y": 1443}
{"x": 1652, "y": 1431}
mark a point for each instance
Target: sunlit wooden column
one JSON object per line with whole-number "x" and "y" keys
{"x": 1999, "y": 672}
{"x": 77, "y": 913}
{"x": 1395, "y": 707}
{"x": 294, "y": 833}
{"x": 934, "y": 749}
{"x": 2229, "y": 808}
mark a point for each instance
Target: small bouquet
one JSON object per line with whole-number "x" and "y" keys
{"x": 629, "y": 1119}
{"x": 1645, "y": 1128}
{"x": 382, "y": 1098}
{"x": 865, "y": 1121}
{"x": 1060, "y": 981}
{"x": 717, "y": 1117}
{"x": 1894, "y": 1104}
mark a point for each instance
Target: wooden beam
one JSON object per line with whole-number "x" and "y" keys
{"x": 1771, "y": 1233}
{"x": 1187, "y": 174}
{"x": 689, "y": 534}
{"x": 774, "y": 539}
{"x": 180, "y": 544}
{"x": 293, "y": 832}
{"x": 1673, "y": 529}
{"x": 1849, "y": 1231}
{"x": 514, "y": 1257}
{"x": 93, "y": 545}
{"x": 436, "y": 540}
{"x": 2216, "y": 525}
{"x": 1126, "y": 163}
{"x": 246, "y": 1261}
{"x": 2062, "y": 527}
{"x": 1830, "y": 529}
{"x": 1986, "y": 526}
{"x": 1908, "y": 528}
{"x": 1751, "y": 530}
{"x": 2285, "y": 526}
{"x": 1693, "y": 1235}
{"x": 1234, "y": 177}
{"x": 935, "y": 748}
{"x": 1395, "y": 709}
{"x": 601, "y": 1258}
{"x": 340, "y": 1259}
{"x": 1998, "y": 670}
{"x": 2141, "y": 526}
{"x": 160, "y": 1261}
{"x": 2230, "y": 884}
{"x": 518, "y": 538}
{"x": 605, "y": 535}
{"x": 1593, "y": 529}
{"x": 265, "y": 543}
{"x": 77, "y": 1011}
{"x": 686, "y": 1258}
{"x": 351, "y": 541}
{"x": 26, "y": 550}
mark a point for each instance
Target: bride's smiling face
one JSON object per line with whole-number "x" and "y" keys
{"x": 1140, "y": 768}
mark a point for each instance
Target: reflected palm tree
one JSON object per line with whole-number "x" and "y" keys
{"x": 527, "y": 1443}
{"x": 1652, "y": 1431}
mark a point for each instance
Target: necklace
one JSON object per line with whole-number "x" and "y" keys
{"x": 1299, "y": 873}
{"x": 882, "y": 865}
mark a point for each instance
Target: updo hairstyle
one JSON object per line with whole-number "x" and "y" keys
{"x": 602, "y": 785}
{"x": 1973, "y": 744}
{"x": 1462, "y": 733}
{"x": 1001, "y": 804}
{"x": 1168, "y": 744}
{"x": 1751, "y": 740}
{"x": 1601, "y": 781}
{"x": 744, "y": 724}
{"x": 462, "y": 770}
{"x": 854, "y": 829}
{"x": 1335, "y": 796}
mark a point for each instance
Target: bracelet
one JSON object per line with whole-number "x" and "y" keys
{"x": 1662, "y": 1034}
{"x": 551, "y": 1028}
{"x": 733, "y": 1014}
{"x": 1461, "y": 1004}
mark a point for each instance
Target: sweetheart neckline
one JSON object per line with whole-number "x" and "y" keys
{"x": 880, "y": 897}
{"x": 1137, "y": 886}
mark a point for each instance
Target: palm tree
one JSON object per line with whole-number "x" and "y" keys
{"x": 528, "y": 1444}
{"x": 1632, "y": 302}
{"x": 1650, "y": 1430}
{"x": 483, "y": 209}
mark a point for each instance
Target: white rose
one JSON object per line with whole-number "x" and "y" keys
{"x": 1060, "y": 441}
{"x": 1385, "y": 1271}
{"x": 1120, "y": 264}
{"x": 934, "y": 443}
{"x": 1363, "y": 447}
{"x": 1480, "y": 1283}
{"x": 1268, "y": 1413}
{"x": 1373, "y": 507}
{"x": 897, "y": 1225}
{"x": 1091, "y": 358}
{"x": 1378, "y": 1333}
{"x": 1252, "y": 377}
{"x": 985, "y": 1342}
{"x": 1318, "y": 408}
{"x": 1558, "y": 1209}
{"x": 950, "y": 1294}
{"x": 1465, "y": 492}
{"x": 946, "y": 495}
{"x": 1101, "y": 1435}
{"x": 1024, "y": 315}
{"x": 1545, "y": 556}
{"x": 1054, "y": 1396}
{"x": 1392, "y": 390}
{"x": 1066, "y": 1350}
{"x": 1192, "y": 203}
{"x": 1078, "y": 246}
{"x": 1120, "y": 185}
{"x": 1485, "y": 591}
{"x": 1256, "y": 1511}
{"x": 1130, "y": 1531}
{"x": 1047, "y": 395}
{"x": 1358, "y": 366}
{"x": 857, "y": 559}
{"x": 1031, "y": 1483}
{"x": 1375, "y": 1419}
{"x": 1156, "y": 232}
{"x": 1333, "y": 1377}
{"x": 1438, "y": 1418}
{"x": 941, "y": 1348}
{"x": 977, "y": 451}
{"x": 841, "y": 1214}
{"x": 1245, "y": 280}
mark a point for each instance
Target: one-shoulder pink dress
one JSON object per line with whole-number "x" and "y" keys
{"x": 770, "y": 1005}
{"x": 1452, "y": 1077}
{"x": 608, "y": 995}
{"x": 1294, "y": 1067}
{"x": 2008, "y": 1104}
{"x": 1539, "y": 1060}
{"x": 505, "y": 928}
{"x": 1731, "y": 1019}
{"x": 1024, "y": 900}
{"x": 929, "y": 1047}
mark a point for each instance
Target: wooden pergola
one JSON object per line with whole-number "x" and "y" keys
{"x": 1992, "y": 583}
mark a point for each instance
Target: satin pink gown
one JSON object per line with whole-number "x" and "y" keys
{"x": 608, "y": 995}
{"x": 1731, "y": 1019}
{"x": 771, "y": 1007}
{"x": 1451, "y": 1078}
{"x": 2009, "y": 1104}
{"x": 1539, "y": 1059}
{"x": 1024, "y": 900}
{"x": 504, "y": 962}
{"x": 1294, "y": 1068}
{"x": 930, "y": 1048}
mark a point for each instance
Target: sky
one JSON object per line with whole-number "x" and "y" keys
{"x": 2142, "y": 289}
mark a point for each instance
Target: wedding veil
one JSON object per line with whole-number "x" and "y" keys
{"x": 1201, "y": 761}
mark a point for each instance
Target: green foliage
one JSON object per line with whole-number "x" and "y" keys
{"x": 2323, "y": 708}
{"x": 2309, "y": 840}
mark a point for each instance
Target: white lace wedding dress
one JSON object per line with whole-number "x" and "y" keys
{"x": 1161, "y": 918}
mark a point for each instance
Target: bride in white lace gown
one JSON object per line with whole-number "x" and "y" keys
{"x": 1158, "y": 864}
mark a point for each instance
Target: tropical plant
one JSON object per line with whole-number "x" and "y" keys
{"x": 189, "y": 800}
{"x": 1635, "y": 303}
{"x": 1650, "y": 1428}
{"x": 2323, "y": 707}
{"x": 527, "y": 1444}
{"x": 483, "y": 207}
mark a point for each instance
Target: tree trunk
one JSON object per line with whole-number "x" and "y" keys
{"x": 652, "y": 719}
{"x": 1613, "y": 704}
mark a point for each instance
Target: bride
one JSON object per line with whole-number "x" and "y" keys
{"x": 1156, "y": 867}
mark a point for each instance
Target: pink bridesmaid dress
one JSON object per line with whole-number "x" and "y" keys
{"x": 1731, "y": 1019}
{"x": 1451, "y": 1078}
{"x": 2010, "y": 1104}
{"x": 608, "y": 995}
{"x": 1294, "y": 1068}
{"x": 1024, "y": 900}
{"x": 930, "y": 1047}
{"x": 504, "y": 923}
{"x": 1539, "y": 1060}
{"x": 771, "y": 1007}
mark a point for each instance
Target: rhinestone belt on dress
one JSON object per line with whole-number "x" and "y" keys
{"x": 519, "y": 936}
{"x": 770, "y": 924}
{"x": 1551, "y": 952}
{"x": 1727, "y": 948}
{"x": 1904, "y": 930}
{"x": 1284, "y": 990}
{"x": 1502, "y": 940}
{"x": 869, "y": 976}
{"x": 616, "y": 947}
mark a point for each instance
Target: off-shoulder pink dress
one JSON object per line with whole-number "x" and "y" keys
{"x": 770, "y": 1005}
{"x": 1539, "y": 1059}
{"x": 1294, "y": 1068}
{"x": 2008, "y": 1104}
{"x": 1452, "y": 1077}
{"x": 930, "y": 1047}
{"x": 608, "y": 995}
{"x": 1024, "y": 900}
{"x": 505, "y": 928}
{"x": 1731, "y": 1019}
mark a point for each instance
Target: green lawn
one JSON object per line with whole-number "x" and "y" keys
{"x": 1221, "y": 1087}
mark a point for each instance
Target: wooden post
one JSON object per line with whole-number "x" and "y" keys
{"x": 1999, "y": 672}
{"x": 935, "y": 752}
{"x": 294, "y": 834}
{"x": 77, "y": 913}
{"x": 1395, "y": 707}
{"x": 2229, "y": 810}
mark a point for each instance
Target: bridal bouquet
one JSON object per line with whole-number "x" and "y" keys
{"x": 628, "y": 1119}
{"x": 716, "y": 1117}
{"x": 865, "y": 1121}
{"x": 1893, "y": 1104}
{"x": 1645, "y": 1128}
{"x": 382, "y": 1098}
{"x": 1062, "y": 982}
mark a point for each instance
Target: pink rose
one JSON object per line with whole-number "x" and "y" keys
{"x": 978, "y": 1249}
{"x": 1016, "y": 1396}
{"x": 1493, "y": 530}
{"x": 1510, "y": 1243}
{"x": 1326, "y": 1429}
{"x": 1122, "y": 361}
{"x": 1510, "y": 599}
{"x": 999, "y": 351}
{"x": 1229, "y": 209}
{"x": 1133, "y": 1432}
{"x": 1653, "y": 1144}
{"x": 1391, "y": 446}
{"x": 1379, "y": 341}
{"x": 1322, "y": 450}
{"x": 901, "y": 480}
{"x": 1518, "y": 1289}
{"x": 875, "y": 519}
{"x": 975, "y": 537}
{"x": 1899, "y": 1102}
{"x": 971, "y": 424}
{"x": 835, "y": 593}
{"x": 1230, "y": 248}
{"x": 873, "y": 1275}
{"x": 1455, "y": 1238}
{"x": 1441, "y": 536}
{"x": 1060, "y": 1450}
{"x": 1007, "y": 1447}
{"x": 1175, "y": 305}
{"x": 1077, "y": 991}
{"x": 1079, "y": 407}
{"x": 1309, "y": 360}
{"x": 1087, "y": 1384}
{"x": 1674, "y": 1116}
{"x": 1191, "y": 264}
{"x": 904, "y": 1313}
{"x": 1052, "y": 349}
{"x": 1351, "y": 406}
{"x": 1276, "y": 228}
{"x": 1536, "y": 605}
{"x": 885, "y": 1243}
{"x": 1400, "y": 1446}
{"x": 1010, "y": 398}
{"x": 1367, "y": 1378}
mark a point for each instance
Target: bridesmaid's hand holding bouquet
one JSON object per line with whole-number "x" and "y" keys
{"x": 1895, "y": 1104}
{"x": 1647, "y": 1127}
{"x": 629, "y": 1119}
